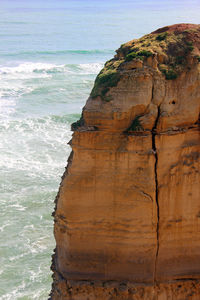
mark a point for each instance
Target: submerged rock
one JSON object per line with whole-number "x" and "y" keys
{"x": 127, "y": 216}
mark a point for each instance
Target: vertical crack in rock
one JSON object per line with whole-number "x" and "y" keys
{"x": 154, "y": 132}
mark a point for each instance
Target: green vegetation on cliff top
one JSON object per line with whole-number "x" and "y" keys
{"x": 171, "y": 48}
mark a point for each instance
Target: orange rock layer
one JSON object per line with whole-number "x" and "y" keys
{"x": 127, "y": 217}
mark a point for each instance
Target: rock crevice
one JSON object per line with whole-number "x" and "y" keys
{"x": 154, "y": 132}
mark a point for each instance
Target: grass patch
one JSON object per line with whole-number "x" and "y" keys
{"x": 198, "y": 58}
{"x": 77, "y": 124}
{"x": 136, "y": 125}
{"x": 189, "y": 43}
{"x": 190, "y": 46}
{"x": 132, "y": 56}
{"x": 104, "y": 82}
{"x": 145, "y": 53}
{"x": 162, "y": 36}
{"x": 139, "y": 54}
{"x": 180, "y": 60}
{"x": 170, "y": 74}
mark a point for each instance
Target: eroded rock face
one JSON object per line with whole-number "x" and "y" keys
{"x": 127, "y": 217}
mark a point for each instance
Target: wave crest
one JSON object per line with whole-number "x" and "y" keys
{"x": 30, "y": 67}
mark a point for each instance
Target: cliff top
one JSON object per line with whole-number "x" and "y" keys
{"x": 174, "y": 47}
{"x": 155, "y": 77}
{"x": 177, "y": 28}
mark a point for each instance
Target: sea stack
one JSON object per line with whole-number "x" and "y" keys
{"x": 127, "y": 214}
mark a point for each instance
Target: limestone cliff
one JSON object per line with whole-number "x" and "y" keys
{"x": 127, "y": 216}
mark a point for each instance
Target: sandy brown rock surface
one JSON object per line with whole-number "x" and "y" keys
{"x": 127, "y": 216}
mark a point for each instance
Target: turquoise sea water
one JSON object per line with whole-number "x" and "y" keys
{"x": 50, "y": 53}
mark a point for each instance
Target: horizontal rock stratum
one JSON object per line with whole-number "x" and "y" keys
{"x": 127, "y": 215}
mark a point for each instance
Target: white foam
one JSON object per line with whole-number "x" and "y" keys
{"x": 6, "y": 106}
{"x": 17, "y": 206}
{"x": 3, "y": 226}
{"x": 14, "y": 294}
{"x": 38, "y": 67}
{"x": 14, "y": 258}
{"x": 43, "y": 69}
{"x": 25, "y": 155}
{"x": 33, "y": 148}
{"x": 13, "y": 80}
{"x": 28, "y": 67}
{"x": 84, "y": 69}
{"x": 92, "y": 68}
{"x": 34, "y": 275}
{"x": 16, "y": 81}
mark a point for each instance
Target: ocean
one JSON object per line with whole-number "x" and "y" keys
{"x": 50, "y": 54}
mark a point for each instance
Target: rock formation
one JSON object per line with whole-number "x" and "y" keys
{"x": 127, "y": 216}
